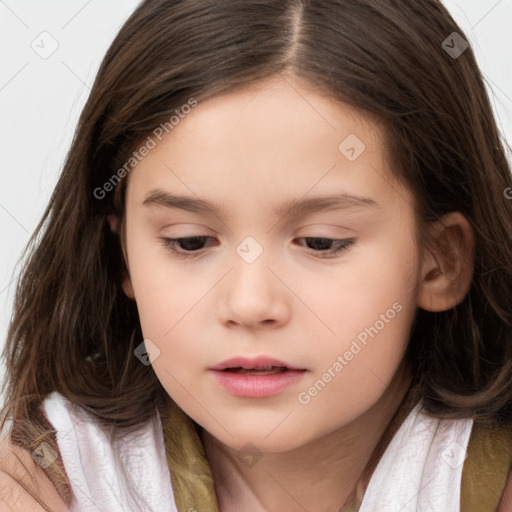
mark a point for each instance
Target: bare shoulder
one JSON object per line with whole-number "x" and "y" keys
{"x": 23, "y": 483}
{"x": 505, "y": 504}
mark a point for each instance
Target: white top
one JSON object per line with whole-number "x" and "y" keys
{"x": 92, "y": 463}
{"x": 420, "y": 471}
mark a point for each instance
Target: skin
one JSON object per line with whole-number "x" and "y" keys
{"x": 24, "y": 486}
{"x": 248, "y": 152}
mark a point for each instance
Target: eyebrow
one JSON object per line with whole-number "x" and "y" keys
{"x": 294, "y": 207}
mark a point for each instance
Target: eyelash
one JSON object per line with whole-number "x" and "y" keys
{"x": 170, "y": 244}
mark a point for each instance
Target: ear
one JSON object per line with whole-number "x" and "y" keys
{"x": 126, "y": 282}
{"x": 113, "y": 221}
{"x": 447, "y": 270}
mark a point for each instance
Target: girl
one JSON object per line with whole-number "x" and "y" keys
{"x": 275, "y": 273}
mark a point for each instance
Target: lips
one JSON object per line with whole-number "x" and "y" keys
{"x": 257, "y": 365}
{"x": 257, "y": 371}
{"x": 256, "y": 377}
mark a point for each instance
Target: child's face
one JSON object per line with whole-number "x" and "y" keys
{"x": 250, "y": 153}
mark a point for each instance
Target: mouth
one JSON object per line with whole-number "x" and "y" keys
{"x": 256, "y": 365}
{"x": 257, "y": 376}
{"x": 271, "y": 370}
{"x": 256, "y": 380}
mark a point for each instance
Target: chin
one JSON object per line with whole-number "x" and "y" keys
{"x": 259, "y": 440}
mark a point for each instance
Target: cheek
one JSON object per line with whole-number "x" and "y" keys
{"x": 174, "y": 307}
{"x": 369, "y": 307}
{"x": 352, "y": 296}
{"x": 354, "y": 367}
{"x": 162, "y": 285}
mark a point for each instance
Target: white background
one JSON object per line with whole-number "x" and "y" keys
{"x": 40, "y": 99}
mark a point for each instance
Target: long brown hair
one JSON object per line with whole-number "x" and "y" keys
{"x": 73, "y": 329}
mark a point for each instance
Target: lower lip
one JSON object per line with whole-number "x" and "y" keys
{"x": 257, "y": 386}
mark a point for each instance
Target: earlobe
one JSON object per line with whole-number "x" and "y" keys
{"x": 447, "y": 270}
{"x": 127, "y": 286}
{"x": 112, "y": 220}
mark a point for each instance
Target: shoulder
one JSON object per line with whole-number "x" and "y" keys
{"x": 30, "y": 451}
{"x": 23, "y": 481}
{"x": 14, "y": 459}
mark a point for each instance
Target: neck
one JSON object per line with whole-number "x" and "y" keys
{"x": 317, "y": 476}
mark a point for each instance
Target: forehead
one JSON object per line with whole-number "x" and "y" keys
{"x": 282, "y": 113}
{"x": 279, "y": 137}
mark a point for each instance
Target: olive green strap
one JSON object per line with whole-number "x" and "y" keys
{"x": 191, "y": 477}
{"x": 485, "y": 471}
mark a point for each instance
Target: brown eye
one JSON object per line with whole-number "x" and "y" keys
{"x": 325, "y": 245}
{"x": 189, "y": 245}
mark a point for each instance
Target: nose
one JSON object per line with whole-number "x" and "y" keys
{"x": 253, "y": 296}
